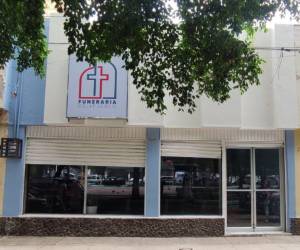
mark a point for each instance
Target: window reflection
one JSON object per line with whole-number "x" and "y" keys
{"x": 54, "y": 189}
{"x": 239, "y": 209}
{"x": 238, "y": 169}
{"x": 115, "y": 190}
{"x": 267, "y": 168}
{"x": 268, "y": 208}
{"x": 191, "y": 186}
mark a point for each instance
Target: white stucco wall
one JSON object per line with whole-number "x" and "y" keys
{"x": 257, "y": 102}
{"x": 284, "y": 84}
{"x": 297, "y": 44}
{"x": 273, "y": 104}
{"x": 56, "y": 74}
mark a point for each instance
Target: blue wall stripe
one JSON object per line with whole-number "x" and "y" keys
{"x": 152, "y": 200}
{"x": 10, "y": 68}
{"x": 31, "y": 95}
{"x": 290, "y": 172}
{"x": 14, "y": 180}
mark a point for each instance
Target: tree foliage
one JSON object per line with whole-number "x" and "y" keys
{"x": 22, "y": 34}
{"x": 200, "y": 53}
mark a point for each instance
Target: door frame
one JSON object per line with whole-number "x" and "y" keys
{"x": 282, "y": 172}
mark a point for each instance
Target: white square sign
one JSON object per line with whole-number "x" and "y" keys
{"x": 97, "y": 91}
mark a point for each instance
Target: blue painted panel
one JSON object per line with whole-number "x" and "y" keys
{"x": 32, "y": 99}
{"x": 10, "y": 100}
{"x": 290, "y": 172}
{"x": 14, "y": 181}
{"x": 152, "y": 203}
{"x": 30, "y": 90}
{"x": 9, "y": 87}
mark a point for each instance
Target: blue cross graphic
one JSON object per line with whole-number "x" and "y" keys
{"x": 94, "y": 79}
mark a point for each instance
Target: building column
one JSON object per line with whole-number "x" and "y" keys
{"x": 152, "y": 185}
{"x": 296, "y": 179}
{"x": 3, "y": 133}
{"x": 14, "y": 181}
{"x": 290, "y": 160}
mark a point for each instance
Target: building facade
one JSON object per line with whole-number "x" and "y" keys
{"x": 96, "y": 162}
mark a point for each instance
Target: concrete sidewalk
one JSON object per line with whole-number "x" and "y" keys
{"x": 85, "y": 243}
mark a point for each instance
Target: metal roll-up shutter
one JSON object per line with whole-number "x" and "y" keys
{"x": 196, "y": 149}
{"x": 111, "y": 153}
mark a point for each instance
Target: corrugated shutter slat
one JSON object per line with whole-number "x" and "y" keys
{"x": 111, "y": 153}
{"x": 191, "y": 149}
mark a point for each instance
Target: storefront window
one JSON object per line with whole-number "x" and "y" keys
{"x": 115, "y": 191}
{"x": 66, "y": 190}
{"x": 191, "y": 186}
{"x": 54, "y": 189}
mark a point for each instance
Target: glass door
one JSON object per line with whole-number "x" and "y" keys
{"x": 239, "y": 189}
{"x": 268, "y": 197}
{"x": 254, "y": 189}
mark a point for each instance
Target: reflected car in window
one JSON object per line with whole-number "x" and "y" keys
{"x": 94, "y": 179}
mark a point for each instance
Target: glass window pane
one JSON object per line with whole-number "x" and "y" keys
{"x": 112, "y": 190}
{"x": 267, "y": 168}
{"x": 238, "y": 169}
{"x": 54, "y": 189}
{"x": 239, "y": 209}
{"x": 268, "y": 208}
{"x": 191, "y": 186}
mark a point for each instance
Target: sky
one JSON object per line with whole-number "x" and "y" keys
{"x": 278, "y": 20}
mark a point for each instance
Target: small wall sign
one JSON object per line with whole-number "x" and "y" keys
{"x": 11, "y": 148}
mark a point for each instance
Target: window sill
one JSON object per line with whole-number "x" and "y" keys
{"x": 99, "y": 216}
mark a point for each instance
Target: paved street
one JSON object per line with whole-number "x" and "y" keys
{"x": 85, "y": 243}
